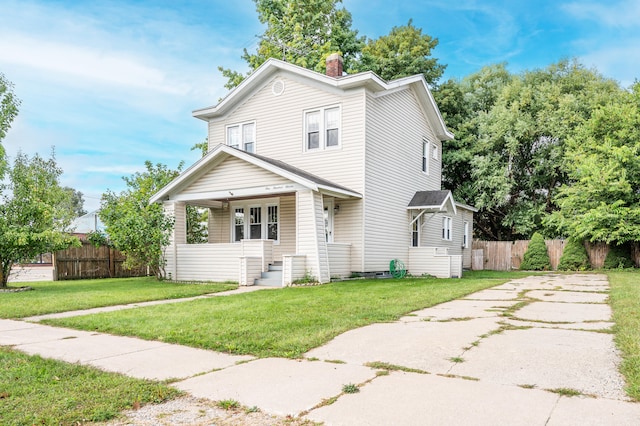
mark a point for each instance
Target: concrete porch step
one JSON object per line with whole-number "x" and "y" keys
{"x": 273, "y": 277}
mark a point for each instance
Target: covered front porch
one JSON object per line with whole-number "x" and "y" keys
{"x": 260, "y": 215}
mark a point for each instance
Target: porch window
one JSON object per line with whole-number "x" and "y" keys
{"x": 238, "y": 228}
{"x": 242, "y": 136}
{"x": 446, "y": 228}
{"x": 322, "y": 128}
{"x": 256, "y": 220}
{"x": 425, "y": 156}
{"x": 255, "y": 224}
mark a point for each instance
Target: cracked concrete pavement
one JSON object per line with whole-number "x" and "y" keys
{"x": 507, "y": 355}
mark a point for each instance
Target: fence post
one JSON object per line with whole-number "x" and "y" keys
{"x": 112, "y": 263}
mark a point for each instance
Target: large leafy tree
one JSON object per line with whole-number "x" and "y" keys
{"x": 9, "y": 104}
{"x": 403, "y": 52}
{"x": 302, "y": 32}
{"x": 138, "y": 229}
{"x": 512, "y": 132}
{"x": 34, "y": 212}
{"x": 602, "y": 202}
{"x": 76, "y": 200}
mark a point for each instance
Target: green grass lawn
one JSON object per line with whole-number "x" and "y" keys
{"x": 60, "y": 296}
{"x": 625, "y": 302}
{"x": 285, "y": 322}
{"x": 39, "y": 391}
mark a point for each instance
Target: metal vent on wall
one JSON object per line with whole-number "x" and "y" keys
{"x": 278, "y": 87}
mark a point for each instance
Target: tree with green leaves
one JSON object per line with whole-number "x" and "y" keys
{"x": 511, "y": 134}
{"x": 76, "y": 200}
{"x": 601, "y": 202}
{"x": 405, "y": 51}
{"x": 9, "y": 104}
{"x": 138, "y": 229}
{"x": 574, "y": 256}
{"x": 34, "y": 212}
{"x": 301, "y": 32}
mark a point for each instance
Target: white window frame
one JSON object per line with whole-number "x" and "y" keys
{"x": 264, "y": 205}
{"x": 447, "y": 231}
{"x": 416, "y": 230}
{"x": 322, "y": 129}
{"x": 434, "y": 151}
{"x": 242, "y": 143}
{"x": 426, "y": 149}
{"x": 465, "y": 236}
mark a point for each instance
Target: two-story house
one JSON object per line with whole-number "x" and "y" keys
{"x": 325, "y": 175}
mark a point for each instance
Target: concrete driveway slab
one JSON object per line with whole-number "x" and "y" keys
{"x": 423, "y": 345}
{"x": 462, "y": 309}
{"x": 568, "y": 296}
{"x": 564, "y": 312}
{"x": 278, "y": 386}
{"x": 582, "y": 411}
{"x": 414, "y": 399}
{"x": 590, "y": 326}
{"x": 168, "y": 362}
{"x": 549, "y": 359}
{"x": 18, "y": 332}
{"x": 493, "y": 294}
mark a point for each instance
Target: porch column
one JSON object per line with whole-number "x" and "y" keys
{"x": 178, "y": 235}
{"x": 310, "y": 237}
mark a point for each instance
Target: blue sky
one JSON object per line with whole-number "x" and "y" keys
{"x": 112, "y": 83}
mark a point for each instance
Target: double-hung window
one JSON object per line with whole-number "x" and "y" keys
{"x": 322, "y": 128}
{"x": 446, "y": 228}
{"x": 425, "y": 156}
{"x": 465, "y": 236}
{"x": 415, "y": 231}
{"x": 256, "y": 221}
{"x": 242, "y": 136}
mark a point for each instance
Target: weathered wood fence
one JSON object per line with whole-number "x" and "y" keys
{"x": 89, "y": 261}
{"x": 507, "y": 255}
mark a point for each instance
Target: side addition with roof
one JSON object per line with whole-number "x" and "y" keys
{"x": 319, "y": 175}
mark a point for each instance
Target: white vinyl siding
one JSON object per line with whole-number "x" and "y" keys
{"x": 322, "y": 128}
{"x": 280, "y": 128}
{"x": 395, "y": 130}
{"x": 234, "y": 173}
{"x": 242, "y": 136}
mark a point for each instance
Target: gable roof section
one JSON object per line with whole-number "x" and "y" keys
{"x": 433, "y": 201}
{"x": 368, "y": 80}
{"x": 220, "y": 152}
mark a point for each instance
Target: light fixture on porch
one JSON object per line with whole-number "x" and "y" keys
{"x": 336, "y": 209}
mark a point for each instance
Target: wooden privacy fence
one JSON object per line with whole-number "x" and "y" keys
{"x": 507, "y": 255}
{"x": 89, "y": 261}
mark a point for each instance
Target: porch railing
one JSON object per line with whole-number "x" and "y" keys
{"x": 434, "y": 261}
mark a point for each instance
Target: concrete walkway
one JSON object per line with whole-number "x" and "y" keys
{"x": 503, "y": 356}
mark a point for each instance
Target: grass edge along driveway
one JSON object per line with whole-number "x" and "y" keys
{"x": 60, "y": 296}
{"x": 287, "y": 322}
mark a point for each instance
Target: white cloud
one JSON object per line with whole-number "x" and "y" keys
{"x": 623, "y": 14}
{"x": 110, "y": 67}
{"x": 621, "y": 61}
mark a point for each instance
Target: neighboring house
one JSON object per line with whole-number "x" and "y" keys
{"x": 330, "y": 175}
{"x": 87, "y": 223}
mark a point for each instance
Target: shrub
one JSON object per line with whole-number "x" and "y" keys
{"x": 536, "y": 257}
{"x": 618, "y": 257}
{"x": 574, "y": 257}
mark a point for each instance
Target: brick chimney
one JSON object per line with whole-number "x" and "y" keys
{"x": 334, "y": 65}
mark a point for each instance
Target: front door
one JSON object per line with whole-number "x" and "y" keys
{"x": 328, "y": 220}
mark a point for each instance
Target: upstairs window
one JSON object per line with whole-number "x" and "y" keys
{"x": 242, "y": 136}
{"x": 322, "y": 129}
{"x": 425, "y": 156}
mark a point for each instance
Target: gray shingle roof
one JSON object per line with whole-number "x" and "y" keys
{"x": 429, "y": 198}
